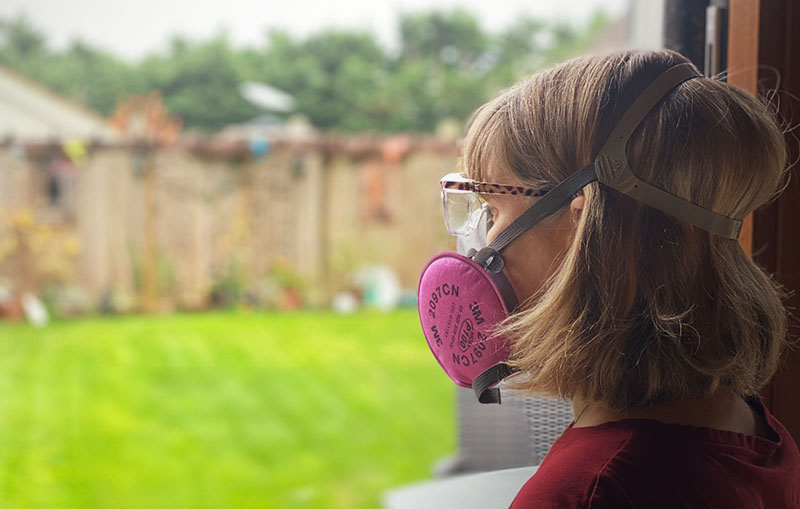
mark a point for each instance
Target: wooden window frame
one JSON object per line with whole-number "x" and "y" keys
{"x": 760, "y": 42}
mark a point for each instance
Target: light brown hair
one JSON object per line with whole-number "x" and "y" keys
{"x": 645, "y": 309}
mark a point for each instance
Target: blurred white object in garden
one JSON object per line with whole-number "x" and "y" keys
{"x": 380, "y": 287}
{"x": 266, "y": 97}
{"x": 35, "y": 311}
{"x": 344, "y": 303}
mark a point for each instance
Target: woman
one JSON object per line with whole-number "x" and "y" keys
{"x": 634, "y": 298}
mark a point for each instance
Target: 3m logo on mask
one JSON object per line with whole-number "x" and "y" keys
{"x": 457, "y": 318}
{"x": 476, "y": 313}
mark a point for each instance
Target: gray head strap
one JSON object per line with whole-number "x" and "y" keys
{"x": 611, "y": 168}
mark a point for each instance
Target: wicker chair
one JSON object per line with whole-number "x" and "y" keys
{"x": 516, "y": 433}
{"x": 499, "y": 447}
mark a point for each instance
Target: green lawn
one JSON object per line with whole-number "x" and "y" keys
{"x": 219, "y": 410}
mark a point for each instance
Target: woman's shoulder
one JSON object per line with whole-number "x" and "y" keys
{"x": 571, "y": 471}
{"x": 646, "y": 463}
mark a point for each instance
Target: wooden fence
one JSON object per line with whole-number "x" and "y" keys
{"x": 166, "y": 226}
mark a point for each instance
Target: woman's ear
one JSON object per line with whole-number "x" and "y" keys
{"x": 576, "y": 209}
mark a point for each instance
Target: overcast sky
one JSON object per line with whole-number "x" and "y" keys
{"x": 133, "y": 28}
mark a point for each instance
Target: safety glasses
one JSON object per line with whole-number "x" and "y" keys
{"x": 464, "y": 207}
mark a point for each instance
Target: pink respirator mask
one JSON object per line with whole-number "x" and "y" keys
{"x": 463, "y": 297}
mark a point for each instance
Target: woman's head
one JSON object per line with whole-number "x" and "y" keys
{"x": 630, "y": 306}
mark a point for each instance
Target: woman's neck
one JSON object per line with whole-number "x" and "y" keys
{"x": 724, "y": 410}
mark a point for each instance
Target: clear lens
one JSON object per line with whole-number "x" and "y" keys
{"x": 462, "y": 211}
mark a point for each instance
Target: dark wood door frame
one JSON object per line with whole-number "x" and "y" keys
{"x": 764, "y": 56}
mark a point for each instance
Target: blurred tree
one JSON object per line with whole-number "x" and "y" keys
{"x": 445, "y": 65}
{"x": 403, "y": 101}
{"x": 93, "y": 77}
{"x": 199, "y": 82}
{"x": 334, "y": 75}
{"x": 451, "y": 39}
{"x": 529, "y": 44}
{"x": 519, "y": 50}
{"x": 82, "y": 72}
{"x": 20, "y": 40}
{"x": 446, "y": 51}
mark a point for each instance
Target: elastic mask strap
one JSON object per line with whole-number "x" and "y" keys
{"x": 506, "y": 290}
{"x": 613, "y": 170}
{"x": 482, "y": 385}
{"x": 544, "y": 206}
{"x": 500, "y": 279}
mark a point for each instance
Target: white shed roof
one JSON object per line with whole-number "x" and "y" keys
{"x": 31, "y": 112}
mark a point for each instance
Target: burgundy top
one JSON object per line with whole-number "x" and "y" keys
{"x": 646, "y": 463}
